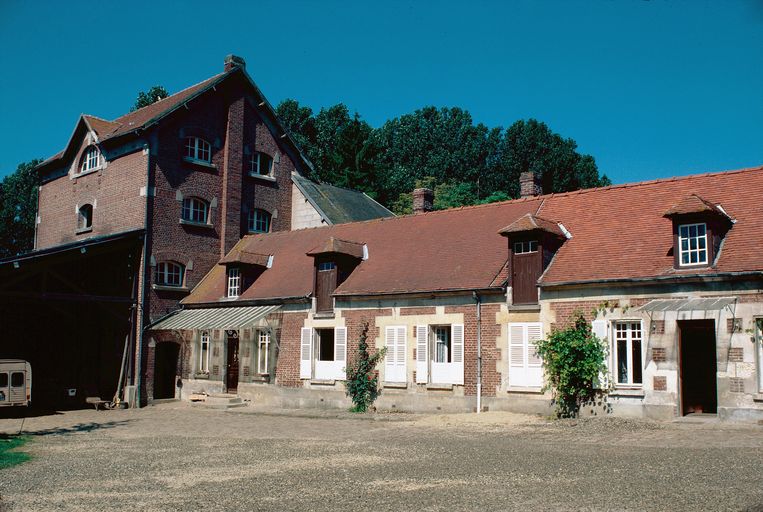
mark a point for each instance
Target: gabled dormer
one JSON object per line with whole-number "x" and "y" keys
{"x": 242, "y": 268}
{"x": 533, "y": 241}
{"x": 335, "y": 260}
{"x": 699, "y": 227}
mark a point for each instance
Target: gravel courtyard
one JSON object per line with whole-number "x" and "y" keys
{"x": 176, "y": 456}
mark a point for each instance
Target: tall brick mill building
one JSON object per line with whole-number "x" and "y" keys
{"x": 133, "y": 213}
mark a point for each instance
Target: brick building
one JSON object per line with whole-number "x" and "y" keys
{"x": 186, "y": 177}
{"x": 668, "y": 272}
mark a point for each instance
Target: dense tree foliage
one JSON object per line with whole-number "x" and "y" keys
{"x": 18, "y": 209}
{"x": 153, "y": 95}
{"x": 465, "y": 163}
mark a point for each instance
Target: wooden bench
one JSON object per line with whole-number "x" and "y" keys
{"x": 97, "y": 402}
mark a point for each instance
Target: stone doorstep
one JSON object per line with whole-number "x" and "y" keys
{"x": 222, "y": 401}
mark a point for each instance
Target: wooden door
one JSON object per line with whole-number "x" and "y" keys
{"x": 165, "y": 369}
{"x": 699, "y": 367}
{"x": 231, "y": 373}
{"x": 526, "y": 268}
{"x": 325, "y": 284}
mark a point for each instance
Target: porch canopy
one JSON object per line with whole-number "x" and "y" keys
{"x": 239, "y": 317}
{"x": 708, "y": 304}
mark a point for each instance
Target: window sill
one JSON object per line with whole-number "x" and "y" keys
{"x": 627, "y": 393}
{"x": 201, "y": 376}
{"x": 758, "y": 397}
{"x": 324, "y": 314}
{"x": 196, "y": 224}
{"x": 85, "y": 173}
{"x": 262, "y": 177}
{"x": 322, "y": 382}
{"x": 525, "y": 390}
{"x": 439, "y": 387}
{"x": 261, "y": 377}
{"x": 524, "y": 307}
{"x": 83, "y": 230}
{"x": 168, "y": 288}
{"x": 395, "y": 385}
{"x": 200, "y": 163}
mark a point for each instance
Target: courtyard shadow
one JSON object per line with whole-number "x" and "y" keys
{"x": 78, "y": 428}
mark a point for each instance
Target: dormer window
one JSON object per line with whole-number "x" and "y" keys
{"x": 234, "y": 282}
{"x": 335, "y": 260}
{"x": 525, "y": 247}
{"x": 259, "y": 221}
{"x": 195, "y": 210}
{"x": 91, "y": 159}
{"x": 197, "y": 149}
{"x": 169, "y": 273}
{"x": 692, "y": 244}
{"x": 260, "y": 164}
{"x": 85, "y": 218}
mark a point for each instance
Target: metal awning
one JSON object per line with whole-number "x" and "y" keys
{"x": 239, "y": 317}
{"x": 712, "y": 304}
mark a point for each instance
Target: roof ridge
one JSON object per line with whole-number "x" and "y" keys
{"x": 96, "y": 117}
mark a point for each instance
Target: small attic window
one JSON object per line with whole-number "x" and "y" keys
{"x": 699, "y": 227}
{"x": 91, "y": 159}
{"x": 197, "y": 149}
{"x": 258, "y": 221}
{"x": 260, "y": 164}
{"x": 692, "y": 244}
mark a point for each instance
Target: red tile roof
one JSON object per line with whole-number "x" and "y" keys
{"x": 618, "y": 232}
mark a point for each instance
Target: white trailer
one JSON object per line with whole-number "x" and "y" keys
{"x": 15, "y": 382}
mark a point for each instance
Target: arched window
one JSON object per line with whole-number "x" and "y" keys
{"x": 204, "y": 352}
{"x": 197, "y": 149}
{"x": 91, "y": 159}
{"x": 259, "y": 221}
{"x": 169, "y": 273}
{"x": 195, "y": 210}
{"x": 260, "y": 164}
{"x": 85, "y": 217}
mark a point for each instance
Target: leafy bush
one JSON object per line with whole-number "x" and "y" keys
{"x": 574, "y": 360}
{"x": 362, "y": 382}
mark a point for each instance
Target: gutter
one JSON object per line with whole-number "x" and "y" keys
{"x": 638, "y": 280}
{"x": 138, "y": 377}
{"x": 422, "y": 293}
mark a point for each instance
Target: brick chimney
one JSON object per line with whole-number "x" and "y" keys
{"x": 423, "y": 200}
{"x": 234, "y": 61}
{"x": 529, "y": 185}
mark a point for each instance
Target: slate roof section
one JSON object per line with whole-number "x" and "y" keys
{"x": 619, "y": 233}
{"x": 339, "y": 205}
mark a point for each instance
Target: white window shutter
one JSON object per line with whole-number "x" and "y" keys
{"x": 516, "y": 345}
{"x": 340, "y": 352}
{"x": 525, "y": 366}
{"x": 394, "y": 369}
{"x": 402, "y": 345}
{"x": 422, "y": 363}
{"x": 534, "y": 334}
{"x": 457, "y": 359}
{"x": 306, "y": 354}
{"x": 599, "y": 329}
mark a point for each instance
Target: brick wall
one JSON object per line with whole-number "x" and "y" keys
{"x": 491, "y": 378}
{"x": 564, "y": 311}
{"x": 287, "y": 367}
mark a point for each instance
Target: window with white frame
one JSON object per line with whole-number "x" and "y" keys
{"x": 441, "y": 344}
{"x": 234, "y": 282}
{"x": 195, "y": 210}
{"x": 525, "y": 247}
{"x": 259, "y": 221}
{"x": 85, "y": 217}
{"x": 440, "y": 354}
{"x": 169, "y": 273}
{"x": 692, "y": 244}
{"x": 260, "y": 164}
{"x": 627, "y": 352}
{"x": 323, "y": 353}
{"x": 197, "y": 149}
{"x": 525, "y": 365}
{"x": 263, "y": 352}
{"x": 204, "y": 352}
{"x": 91, "y": 159}
{"x": 759, "y": 345}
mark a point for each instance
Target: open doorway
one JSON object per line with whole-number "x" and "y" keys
{"x": 699, "y": 366}
{"x": 165, "y": 369}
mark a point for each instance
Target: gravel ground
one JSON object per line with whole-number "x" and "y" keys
{"x": 178, "y": 457}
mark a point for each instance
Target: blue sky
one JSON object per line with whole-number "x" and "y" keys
{"x": 649, "y": 88}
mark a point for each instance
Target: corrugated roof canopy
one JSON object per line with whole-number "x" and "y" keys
{"x": 712, "y": 304}
{"x": 214, "y": 318}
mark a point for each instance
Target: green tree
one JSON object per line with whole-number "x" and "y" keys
{"x": 300, "y": 123}
{"x": 362, "y": 384}
{"x": 18, "y": 209}
{"x": 149, "y": 97}
{"x": 574, "y": 360}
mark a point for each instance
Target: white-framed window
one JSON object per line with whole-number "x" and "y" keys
{"x": 169, "y": 273}
{"x": 627, "y": 352}
{"x": 85, "y": 217}
{"x": 326, "y": 266}
{"x": 440, "y": 354}
{"x": 323, "y": 353}
{"x": 259, "y": 221}
{"x": 759, "y": 351}
{"x": 204, "y": 352}
{"x": 234, "y": 282}
{"x": 692, "y": 244}
{"x": 195, "y": 210}
{"x": 91, "y": 159}
{"x": 260, "y": 164}
{"x": 525, "y": 247}
{"x": 197, "y": 149}
{"x": 525, "y": 366}
{"x": 263, "y": 351}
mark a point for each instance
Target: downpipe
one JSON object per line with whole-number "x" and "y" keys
{"x": 478, "y": 300}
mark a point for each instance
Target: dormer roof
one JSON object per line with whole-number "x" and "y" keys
{"x": 242, "y": 257}
{"x": 337, "y": 246}
{"x": 530, "y": 222}
{"x": 693, "y": 203}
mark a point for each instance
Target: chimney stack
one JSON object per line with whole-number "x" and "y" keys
{"x": 529, "y": 185}
{"x": 234, "y": 61}
{"x": 423, "y": 200}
